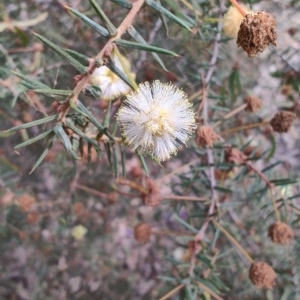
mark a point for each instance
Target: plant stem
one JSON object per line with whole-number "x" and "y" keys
{"x": 136, "y": 6}
{"x": 277, "y": 216}
{"x": 171, "y": 293}
{"x": 184, "y": 198}
{"x": 238, "y": 7}
{"x": 229, "y": 115}
{"x": 244, "y": 127}
{"x": 233, "y": 241}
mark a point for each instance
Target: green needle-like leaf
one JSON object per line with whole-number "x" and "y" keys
{"x": 123, "y": 161}
{"x": 33, "y": 140}
{"x": 104, "y": 32}
{"x": 118, "y": 72}
{"x": 78, "y": 56}
{"x": 185, "y": 224}
{"x": 115, "y": 162}
{"x": 144, "y": 165}
{"x": 54, "y": 92}
{"x": 110, "y": 27}
{"x": 123, "y": 3}
{"x": 108, "y": 153}
{"x": 61, "y": 134}
{"x": 72, "y": 126}
{"x": 29, "y": 82}
{"x": 51, "y": 143}
{"x": 144, "y": 47}
{"x": 86, "y": 113}
{"x": 33, "y": 123}
{"x": 76, "y": 64}
{"x": 135, "y": 35}
{"x": 168, "y": 14}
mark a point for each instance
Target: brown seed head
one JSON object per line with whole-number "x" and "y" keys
{"x": 280, "y": 233}
{"x": 257, "y": 31}
{"x": 26, "y": 202}
{"x": 136, "y": 172}
{"x": 142, "y": 232}
{"x": 205, "y": 136}
{"x": 234, "y": 155}
{"x": 254, "y": 103}
{"x": 262, "y": 275}
{"x": 154, "y": 197}
{"x": 283, "y": 121}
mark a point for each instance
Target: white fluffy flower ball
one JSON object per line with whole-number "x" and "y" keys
{"x": 111, "y": 85}
{"x": 156, "y": 119}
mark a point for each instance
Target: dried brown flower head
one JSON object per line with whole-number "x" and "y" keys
{"x": 257, "y": 31}
{"x": 205, "y": 136}
{"x": 142, "y": 232}
{"x": 262, "y": 275}
{"x": 280, "y": 233}
{"x": 136, "y": 172}
{"x": 283, "y": 121}
{"x": 26, "y": 202}
{"x": 154, "y": 197}
{"x": 254, "y": 103}
{"x": 234, "y": 155}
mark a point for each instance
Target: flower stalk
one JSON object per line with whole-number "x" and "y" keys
{"x": 238, "y": 7}
{"x": 233, "y": 241}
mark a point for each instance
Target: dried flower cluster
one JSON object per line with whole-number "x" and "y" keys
{"x": 142, "y": 232}
{"x": 283, "y": 121}
{"x": 206, "y": 136}
{"x": 156, "y": 120}
{"x": 153, "y": 197}
{"x": 234, "y": 155}
{"x": 280, "y": 233}
{"x": 254, "y": 104}
{"x": 262, "y": 275}
{"x": 257, "y": 31}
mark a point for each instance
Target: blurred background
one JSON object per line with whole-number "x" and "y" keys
{"x": 71, "y": 236}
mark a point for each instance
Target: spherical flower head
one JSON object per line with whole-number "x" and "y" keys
{"x": 110, "y": 84}
{"x": 254, "y": 103}
{"x": 206, "y": 136}
{"x": 257, "y": 31}
{"x": 280, "y": 233}
{"x": 262, "y": 275}
{"x": 156, "y": 119}
{"x": 232, "y": 21}
{"x": 283, "y": 121}
{"x": 142, "y": 232}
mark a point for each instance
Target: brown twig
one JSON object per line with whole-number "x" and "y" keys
{"x": 210, "y": 158}
{"x": 232, "y": 113}
{"x": 136, "y": 6}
